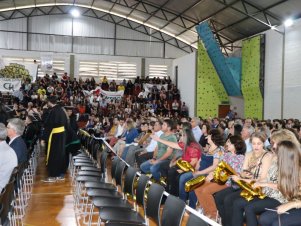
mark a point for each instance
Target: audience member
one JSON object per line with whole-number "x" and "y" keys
{"x": 147, "y": 153}
{"x": 163, "y": 154}
{"x": 196, "y": 130}
{"x": 15, "y": 129}
{"x": 8, "y": 160}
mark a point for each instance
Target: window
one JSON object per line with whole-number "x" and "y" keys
{"x": 112, "y": 69}
{"x": 157, "y": 70}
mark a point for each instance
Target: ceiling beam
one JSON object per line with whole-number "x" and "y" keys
{"x": 207, "y": 17}
{"x": 253, "y": 16}
{"x": 157, "y": 10}
{"x": 181, "y": 13}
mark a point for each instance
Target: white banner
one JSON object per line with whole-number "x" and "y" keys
{"x": 9, "y": 85}
{"x": 148, "y": 87}
{"x": 16, "y": 70}
{"x": 47, "y": 62}
{"x": 109, "y": 95}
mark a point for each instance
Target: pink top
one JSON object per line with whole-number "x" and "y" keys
{"x": 192, "y": 151}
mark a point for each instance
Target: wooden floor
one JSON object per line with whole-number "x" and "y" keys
{"x": 52, "y": 203}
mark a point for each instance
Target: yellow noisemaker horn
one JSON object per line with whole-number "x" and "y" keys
{"x": 184, "y": 165}
{"x": 194, "y": 183}
{"x": 222, "y": 173}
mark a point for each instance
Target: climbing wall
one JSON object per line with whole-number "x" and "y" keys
{"x": 251, "y": 77}
{"x": 223, "y": 65}
{"x": 210, "y": 90}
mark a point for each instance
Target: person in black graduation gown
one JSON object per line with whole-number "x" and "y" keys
{"x": 72, "y": 141}
{"x": 31, "y": 130}
{"x": 55, "y": 127}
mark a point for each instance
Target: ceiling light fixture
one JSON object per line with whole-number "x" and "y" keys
{"x": 288, "y": 22}
{"x": 75, "y": 13}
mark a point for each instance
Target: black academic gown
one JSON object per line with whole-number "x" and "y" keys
{"x": 55, "y": 134}
{"x": 72, "y": 145}
{"x": 29, "y": 133}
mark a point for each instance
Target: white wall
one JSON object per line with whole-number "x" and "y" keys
{"x": 273, "y": 72}
{"x": 237, "y": 105}
{"x": 83, "y": 35}
{"x": 187, "y": 79}
{"x": 273, "y": 68}
{"x": 87, "y": 57}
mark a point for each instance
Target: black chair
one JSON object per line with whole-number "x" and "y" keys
{"x": 121, "y": 224}
{"x": 140, "y": 190}
{"x": 1, "y": 209}
{"x": 142, "y": 184}
{"x": 95, "y": 182}
{"x": 91, "y": 182}
{"x": 173, "y": 211}
{"x": 194, "y": 220}
{"x": 94, "y": 171}
{"x": 154, "y": 196}
{"x": 153, "y": 203}
{"x": 6, "y": 200}
{"x": 97, "y": 176}
{"x": 103, "y": 165}
{"x": 101, "y": 192}
{"x": 128, "y": 189}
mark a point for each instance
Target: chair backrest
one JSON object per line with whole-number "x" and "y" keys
{"x": 21, "y": 168}
{"x": 1, "y": 210}
{"x": 96, "y": 147}
{"x": 114, "y": 164}
{"x": 103, "y": 162}
{"x": 87, "y": 139}
{"x": 142, "y": 183}
{"x": 194, "y": 220}
{"x": 91, "y": 145}
{"x": 153, "y": 203}
{"x": 119, "y": 172}
{"x": 7, "y": 198}
{"x": 173, "y": 211}
{"x": 14, "y": 173}
{"x": 130, "y": 176}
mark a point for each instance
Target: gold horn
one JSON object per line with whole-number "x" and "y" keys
{"x": 184, "y": 165}
{"x": 222, "y": 172}
{"x": 248, "y": 192}
{"x": 221, "y": 175}
{"x": 194, "y": 183}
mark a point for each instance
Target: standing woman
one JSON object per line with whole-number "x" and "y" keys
{"x": 191, "y": 153}
{"x": 289, "y": 184}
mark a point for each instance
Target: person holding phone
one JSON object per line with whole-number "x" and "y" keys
{"x": 255, "y": 167}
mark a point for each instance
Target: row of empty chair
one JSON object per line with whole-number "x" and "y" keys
{"x": 125, "y": 197}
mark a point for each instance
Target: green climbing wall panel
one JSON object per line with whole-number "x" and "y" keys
{"x": 253, "y": 100}
{"x": 210, "y": 90}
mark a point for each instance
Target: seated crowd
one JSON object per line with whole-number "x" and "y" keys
{"x": 151, "y": 133}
